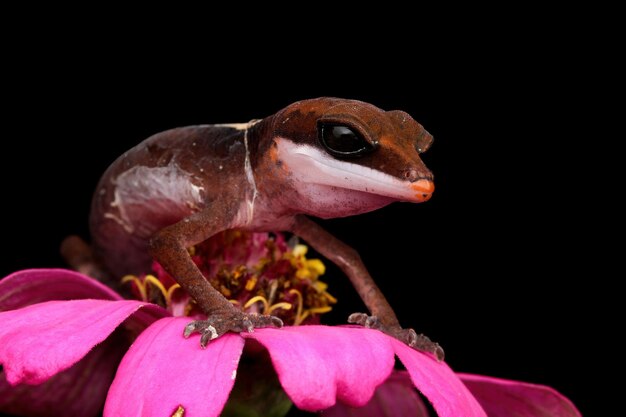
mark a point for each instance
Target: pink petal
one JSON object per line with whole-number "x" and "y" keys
{"x": 34, "y": 286}
{"x": 438, "y": 383}
{"x": 317, "y": 365}
{"x": 504, "y": 398}
{"x": 41, "y": 340}
{"x": 162, "y": 371}
{"x": 395, "y": 397}
{"x": 78, "y": 391}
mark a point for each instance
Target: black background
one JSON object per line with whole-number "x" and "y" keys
{"x": 486, "y": 267}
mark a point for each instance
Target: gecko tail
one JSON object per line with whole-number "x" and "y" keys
{"x": 80, "y": 257}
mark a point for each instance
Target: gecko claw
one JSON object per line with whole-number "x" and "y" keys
{"x": 362, "y": 319}
{"x": 275, "y": 322}
{"x": 407, "y": 336}
{"x": 207, "y": 331}
{"x": 218, "y": 324}
{"x": 247, "y": 324}
{"x": 423, "y": 343}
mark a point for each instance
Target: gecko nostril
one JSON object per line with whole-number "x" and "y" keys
{"x": 411, "y": 175}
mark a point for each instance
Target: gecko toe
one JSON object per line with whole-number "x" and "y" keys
{"x": 408, "y": 336}
{"x": 423, "y": 343}
{"x": 247, "y": 325}
{"x": 420, "y": 342}
{"x": 362, "y": 319}
{"x": 218, "y": 324}
{"x": 357, "y": 318}
{"x": 197, "y": 326}
{"x": 268, "y": 321}
{"x": 276, "y": 322}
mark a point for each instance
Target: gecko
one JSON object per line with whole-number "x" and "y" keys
{"x": 324, "y": 157}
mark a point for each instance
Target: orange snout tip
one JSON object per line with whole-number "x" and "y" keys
{"x": 423, "y": 189}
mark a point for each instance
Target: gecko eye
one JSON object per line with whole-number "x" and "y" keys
{"x": 343, "y": 141}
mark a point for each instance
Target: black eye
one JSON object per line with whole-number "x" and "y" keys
{"x": 343, "y": 141}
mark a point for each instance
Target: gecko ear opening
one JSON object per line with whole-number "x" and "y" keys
{"x": 343, "y": 141}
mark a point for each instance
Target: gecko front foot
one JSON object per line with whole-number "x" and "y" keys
{"x": 408, "y": 336}
{"x": 218, "y": 324}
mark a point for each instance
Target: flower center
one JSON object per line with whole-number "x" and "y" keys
{"x": 257, "y": 272}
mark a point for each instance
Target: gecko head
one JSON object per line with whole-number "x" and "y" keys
{"x": 354, "y": 148}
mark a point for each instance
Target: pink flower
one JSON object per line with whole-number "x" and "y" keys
{"x": 72, "y": 347}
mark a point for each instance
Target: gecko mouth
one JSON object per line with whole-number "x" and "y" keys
{"x": 315, "y": 167}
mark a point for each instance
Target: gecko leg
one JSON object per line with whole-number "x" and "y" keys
{"x": 169, "y": 247}
{"x": 382, "y": 316}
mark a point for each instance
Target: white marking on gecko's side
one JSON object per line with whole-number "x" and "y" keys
{"x": 248, "y": 213}
{"x": 248, "y": 168}
{"x": 152, "y": 187}
{"x": 238, "y": 126}
{"x": 250, "y": 173}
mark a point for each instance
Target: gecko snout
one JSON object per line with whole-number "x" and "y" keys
{"x": 413, "y": 175}
{"x": 422, "y": 188}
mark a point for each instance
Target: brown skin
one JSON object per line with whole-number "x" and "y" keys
{"x": 180, "y": 187}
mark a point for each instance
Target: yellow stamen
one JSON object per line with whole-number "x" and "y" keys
{"x": 316, "y": 265}
{"x": 140, "y": 285}
{"x": 257, "y": 299}
{"x": 283, "y": 305}
{"x": 330, "y": 298}
{"x": 234, "y": 302}
{"x": 251, "y": 283}
{"x": 306, "y": 269}
{"x": 320, "y": 286}
{"x": 304, "y": 316}
{"x": 170, "y": 293}
{"x": 314, "y": 310}
{"x": 298, "y": 318}
{"x": 300, "y": 250}
{"x": 273, "y": 288}
{"x": 303, "y": 273}
{"x": 239, "y": 272}
{"x": 320, "y": 310}
{"x": 155, "y": 281}
{"x": 191, "y": 250}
